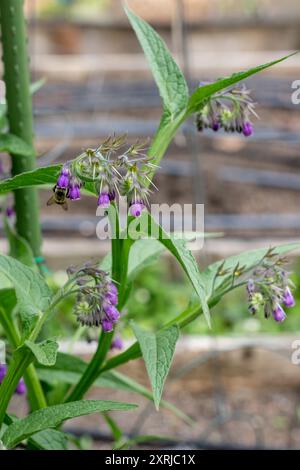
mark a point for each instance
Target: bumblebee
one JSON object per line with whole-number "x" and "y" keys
{"x": 59, "y": 197}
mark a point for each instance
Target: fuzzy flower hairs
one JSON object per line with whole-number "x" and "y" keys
{"x": 112, "y": 171}
{"x": 269, "y": 288}
{"x": 96, "y": 296}
{"x": 230, "y": 110}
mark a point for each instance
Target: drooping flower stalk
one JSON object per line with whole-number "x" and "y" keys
{"x": 269, "y": 288}
{"x": 97, "y": 297}
{"x": 113, "y": 172}
{"x": 230, "y": 110}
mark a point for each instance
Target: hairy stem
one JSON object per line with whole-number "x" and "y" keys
{"x": 88, "y": 377}
{"x": 35, "y": 392}
{"x": 19, "y": 363}
{"x": 119, "y": 273}
{"x": 19, "y": 114}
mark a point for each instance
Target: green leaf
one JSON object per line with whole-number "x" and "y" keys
{"x": 206, "y": 91}
{"x": 8, "y": 300}
{"x": 44, "y": 352}
{"x": 53, "y": 416}
{"x": 248, "y": 259}
{"x": 168, "y": 76}
{"x": 33, "y": 294}
{"x": 37, "y": 177}
{"x": 15, "y": 145}
{"x": 48, "y": 439}
{"x": 157, "y": 349}
{"x": 183, "y": 255}
{"x": 19, "y": 248}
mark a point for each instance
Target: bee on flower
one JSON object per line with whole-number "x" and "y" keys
{"x": 112, "y": 171}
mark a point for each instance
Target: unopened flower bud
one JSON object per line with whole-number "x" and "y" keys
{"x": 279, "y": 314}
{"x": 288, "y": 298}
{"x": 103, "y": 200}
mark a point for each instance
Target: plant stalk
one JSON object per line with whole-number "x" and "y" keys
{"x": 19, "y": 114}
{"x": 120, "y": 255}
{"x": 20, "y": 362}
{"x": 35, "y": 392}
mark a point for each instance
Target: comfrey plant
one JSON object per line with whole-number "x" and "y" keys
{"x": 230, "y": 110}
{"x": 269, "y": 288}
{"x": 112, "y": 173}
{"x": 57, "y": 383}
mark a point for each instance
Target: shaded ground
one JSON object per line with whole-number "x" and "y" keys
{"x": 242, "y": 398}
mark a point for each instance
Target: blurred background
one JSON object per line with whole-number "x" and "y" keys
{"x": 237, "y": 380}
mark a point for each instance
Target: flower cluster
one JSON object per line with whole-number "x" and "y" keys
{"x": 97, "y": 297}
{"x": 112, "y": 172}
{"x": 21, "y": 387}
{"x": 230, "y": 110}
{"x": 270, "y": 288}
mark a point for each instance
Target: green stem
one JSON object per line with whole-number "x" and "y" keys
{"x": 163, "y": 138}
{"x": 19, "y": 363}
{"x": 35, "y": 392}
{"x": 9, "y": 328}
{"x": 88, "y": 377}
{"x": 120, "y": 255}
{"x": 19, "y": 105}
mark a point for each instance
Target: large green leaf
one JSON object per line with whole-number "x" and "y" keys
{"x": 44, "y": 352}
{"x": 53, "y": 416}
{"x": 15, "y": 145}
{"x": 204, "y": 92}
{"x": 8, "y": 300}
{"x": 158, "y": 350}
{"x": 19, "y": 248}
{"x": 33, "y": 294}
{"x": 37, "y": 177}
{"x": 168, "y": 76}
{"x": 48, "y": 439}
